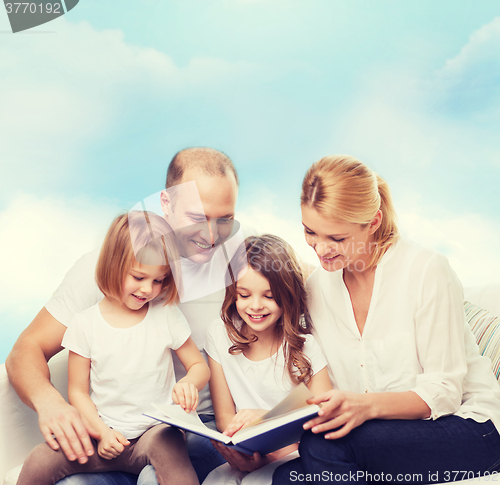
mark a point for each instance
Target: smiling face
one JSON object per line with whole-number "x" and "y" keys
{"x": 141, "y": 284}
{"x": 338, "y": 244}
{"x": 255, "y": 303}
{"x": 200, "y": 229}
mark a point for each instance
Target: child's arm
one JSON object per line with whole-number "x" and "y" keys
{"x": 185, "y": 392}
{"x": 320, "y": 382}
{"x": 111, "y": 443}
{"x": 226, "y": 416}
{"x": 222, "y": 400}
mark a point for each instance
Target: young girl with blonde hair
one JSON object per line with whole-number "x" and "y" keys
{"x": 120, "y": 355}
{"x": 261, "y": 348}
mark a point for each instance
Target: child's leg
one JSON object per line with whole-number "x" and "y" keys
{"x": 44, "y": 466}
{"x": 165, "y": 448}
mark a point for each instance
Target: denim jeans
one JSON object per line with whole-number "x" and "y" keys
{"x": 398, "y": 451}
{"x": 110, "y": 478}
{"x": 203, "y": 455}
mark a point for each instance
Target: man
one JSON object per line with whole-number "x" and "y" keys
{"x": 60, "y": 423}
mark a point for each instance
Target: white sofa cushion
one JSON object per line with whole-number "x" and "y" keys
{"x": 19, "y": 431}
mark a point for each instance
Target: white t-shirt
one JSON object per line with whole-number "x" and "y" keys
{"x": 415, "y": 336}
{"x": 256, "y": 384}
{"x": 79, "y": 291}
{"x": 130, "y": 367}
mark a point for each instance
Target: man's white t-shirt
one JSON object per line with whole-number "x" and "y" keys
{"x": 257, "y": 384}
{"x": 131, "y": 368}
{"x": 415, "y": 337}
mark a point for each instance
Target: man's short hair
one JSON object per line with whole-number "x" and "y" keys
{"x": 209, "y": 161}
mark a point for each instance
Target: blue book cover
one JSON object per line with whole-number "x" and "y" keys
{"x": 280, "y": 427}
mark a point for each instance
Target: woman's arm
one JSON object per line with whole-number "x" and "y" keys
{"x": 185, "y": 392}
{"x": 347, "y": 410}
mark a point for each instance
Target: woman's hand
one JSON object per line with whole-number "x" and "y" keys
{"x": 240, "y": 461}
{"x": 341, "y": 411}
{"x": 111, "y": 444}
{"x": 186, "y": 395}
{"x": 242, "y": 419}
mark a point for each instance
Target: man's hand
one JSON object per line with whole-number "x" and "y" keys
{"x": 62, "y": 427}
{"x": 186, "y": 395}
{"x": 111, "y": 444}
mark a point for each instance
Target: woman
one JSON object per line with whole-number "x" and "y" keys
{"x": 413, "y": 401}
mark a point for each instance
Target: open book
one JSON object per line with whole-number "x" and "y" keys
{"x": 279, "y": 427}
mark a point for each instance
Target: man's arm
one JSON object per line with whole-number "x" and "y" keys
{"x": 29, "y": 373}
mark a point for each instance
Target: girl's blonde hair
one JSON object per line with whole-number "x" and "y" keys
{"x": 141, "y": 236}
{"x": 343, "y": 189}
{"x": 275, "y": 260}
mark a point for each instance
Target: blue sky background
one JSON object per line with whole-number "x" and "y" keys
{"x": 94, "y": 104}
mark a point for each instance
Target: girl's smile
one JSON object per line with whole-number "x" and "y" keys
{"x": 141, "y": 284}
{"x": 255, "y": 304}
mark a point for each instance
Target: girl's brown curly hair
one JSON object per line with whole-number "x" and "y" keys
{"x": 275, "y": 260}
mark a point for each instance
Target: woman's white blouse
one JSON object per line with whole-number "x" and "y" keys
{"x": 415, "y": 336}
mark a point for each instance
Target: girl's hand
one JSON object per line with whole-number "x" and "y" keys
{"x": 186, "y": 395}
{"x": 341, "y": 411}
{"x": 240, "y": 461}
{"x": 243, "y": 418}
{"x": 111, "y": 444}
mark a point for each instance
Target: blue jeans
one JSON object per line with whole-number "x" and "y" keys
{"x": 398, "y": 451}
{"x": 110, "y": 478}
{"x": 203, "y": 455}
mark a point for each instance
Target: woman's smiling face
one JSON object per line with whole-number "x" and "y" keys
{"x": 338, "y": 244}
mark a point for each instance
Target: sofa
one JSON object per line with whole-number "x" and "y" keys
{"x": 19, "y": 431}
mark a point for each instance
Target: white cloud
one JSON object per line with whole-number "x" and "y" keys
{"x": 470, "y": 242}
{"x": 63, "y": 91}
{"x": 41, "y": 239}
{"x": 266, "y": 217}
{"x": 479, "y": 57}
{"x": 468, "y": 85}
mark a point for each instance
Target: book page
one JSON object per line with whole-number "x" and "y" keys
{"x": 295, "y": 400}
{"x": 176, "y": 412}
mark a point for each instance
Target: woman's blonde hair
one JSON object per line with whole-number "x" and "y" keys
{"x": 343, "y": 189}
{"x": 137, "y": 236}
{"x": 275, "y": 260}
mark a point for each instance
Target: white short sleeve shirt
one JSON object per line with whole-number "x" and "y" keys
{"x": 79, "y": 291}
{"x": 130, "y": 367}
{"x": 256, "y": 384}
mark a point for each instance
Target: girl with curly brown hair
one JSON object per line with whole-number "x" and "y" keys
{"x": 261, "y": 348}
